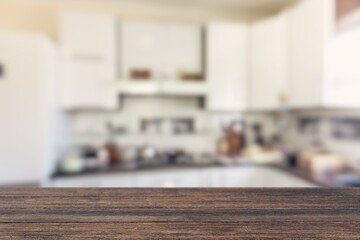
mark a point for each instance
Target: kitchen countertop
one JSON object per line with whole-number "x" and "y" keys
{"x": 120, "y": 170}
{"x": 180, "y": 213}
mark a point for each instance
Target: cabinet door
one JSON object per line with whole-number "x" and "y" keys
{"x": 89, "y": 36}
{"x": 226, "y": 66}
{"x": 307, "y": 44}
{"x": 87, "y": 87}
{"x": 184, "y": 49}
{"x": 243, "y": 177}
{"x": 171, "y": 179}
{"x": 122, "y": 180}
{"x": 141, "y": 47}
{"x": 275, "y": 178}
{"x": 89, "y": 59}
{"x": 163, "y": 48}
{"x": 77, "y": 182}
{"x": 269, "y": 62}
{"x": 343, "y": 73}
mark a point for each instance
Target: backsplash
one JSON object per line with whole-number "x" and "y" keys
{"x": 162, "y": 122}
{"x": 333, "y": 130}
{"x": 169, "y": 122}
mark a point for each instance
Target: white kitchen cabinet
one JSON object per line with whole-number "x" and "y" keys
{"x": 141, "y": 48}
{"x": 89, "y": 60}
{"x": 243, "y": 177}
{"x": 124, "y": 180}
{"x": 226, "y": 66}
{"x": 300, "y": 56}
{"x": 185, "y": 49}
{"x": 169, "y": 179}
{"x": 311, "y": 30}
{"x": 269, "y": 66}
{"x": 87, "y": 86}
{"x": 342, "y": 85}
{"x": 163, "y": 48}
{"x": 277, "y": 178}
{"x": 77, "y": 182}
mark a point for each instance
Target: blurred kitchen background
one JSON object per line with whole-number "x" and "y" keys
{"x": 180, "y": 93}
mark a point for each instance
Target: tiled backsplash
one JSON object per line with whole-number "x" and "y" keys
{"x": 322, "y": 128}
{"x": 93, "y": 127}
{"x": 306, "y": 128}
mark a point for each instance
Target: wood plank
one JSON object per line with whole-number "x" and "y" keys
{"x": 179, "y": 213}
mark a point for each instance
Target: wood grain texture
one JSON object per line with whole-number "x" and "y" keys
{"x": 180, "y": 214}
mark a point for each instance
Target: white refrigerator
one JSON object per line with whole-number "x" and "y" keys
{"x": 32, "y": 127}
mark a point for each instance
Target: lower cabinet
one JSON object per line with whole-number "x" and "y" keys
{"x": 245, "y": 176}
{"x": 188, "y": 178}
{"x": 119, "y": 181}
{"x": 76, "y": 182}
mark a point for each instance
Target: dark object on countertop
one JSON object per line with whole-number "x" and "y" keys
{"x": 348, "y": 180}
{"x": 178, "y": 156}
{"x": 172, "y": 156}
{"x": 150, "y": 157}
{"x": 89, "y": 152}
{"x": 140, "y": 74}
{"x": 292, "y": 160}
{"x": 113, "y": 153}
{"x": 180, "y": 213}
{"x": 259, "y": 137}
{"x": 234, "y": 140}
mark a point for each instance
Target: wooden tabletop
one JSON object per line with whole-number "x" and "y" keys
{"x": 180, "y": 213}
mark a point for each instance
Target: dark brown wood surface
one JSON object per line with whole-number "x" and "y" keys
{"x": 180, "y": 214}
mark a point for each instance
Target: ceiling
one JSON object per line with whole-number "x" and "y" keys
{"x": 246, "y": 7}
{"x": 233, "y": 9}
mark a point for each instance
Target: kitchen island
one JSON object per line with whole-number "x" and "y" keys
{"x": 180, "y": 213}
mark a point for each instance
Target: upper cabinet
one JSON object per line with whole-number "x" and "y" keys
{"x": 141, "y": 48}
{"x": 299, "y": 60}
{"x": 295, "y": 58}
{"x": 164, "y": 50}
{"x": 226, "y": 66}
{"x": 311, "y": 30}
{"x": 343, "y": 74}
{"x": 343, "y": 57}
{"x": 269, "y": 62}
{"x": 89, "y": 55}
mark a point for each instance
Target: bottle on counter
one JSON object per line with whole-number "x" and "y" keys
{"x": 113, "y": 153}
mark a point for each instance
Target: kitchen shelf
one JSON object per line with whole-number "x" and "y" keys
{"x": 185, "y": 88}
{"x": 154, "y": 87}
{"x": 137, "y": 87}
